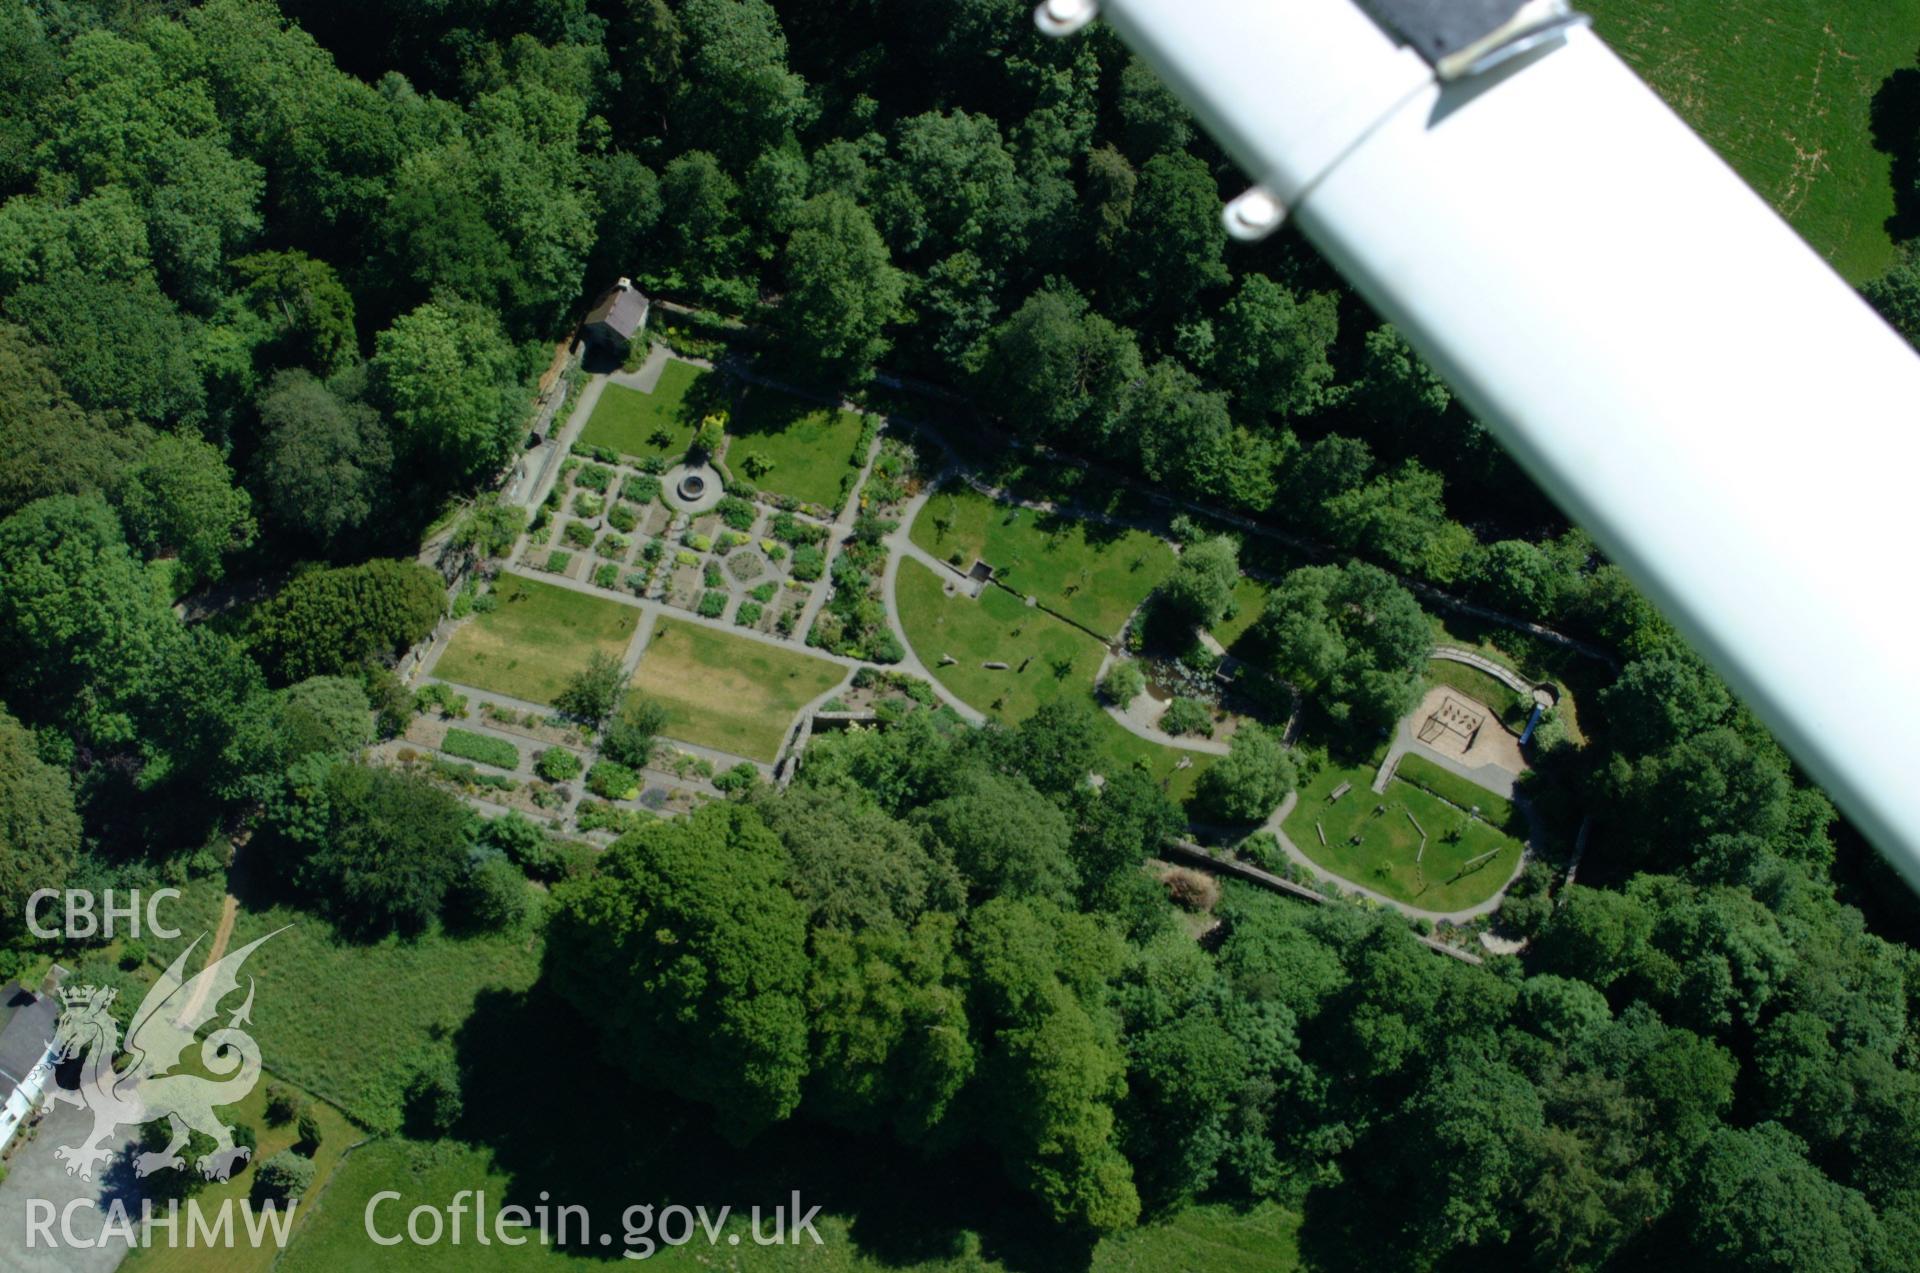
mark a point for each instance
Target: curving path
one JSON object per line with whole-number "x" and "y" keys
{"x": 1499, "y": 672}
{"x": 899, "y": 546}
{"x": 1125, "y": 719}
{"x": 1462, "y": 916}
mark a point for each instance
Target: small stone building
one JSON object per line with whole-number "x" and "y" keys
{"x": 616, "y": 319}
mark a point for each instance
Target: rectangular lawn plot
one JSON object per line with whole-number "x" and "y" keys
{"x": 726, "y": 692}
{"x": 810, "y": 447}
{"x": 644, "y": 424}
{"x": 536, "y": 638}
{"x": 1093, "y": 573}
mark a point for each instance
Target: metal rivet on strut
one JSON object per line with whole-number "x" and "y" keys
{"x": 1064, "y": 17}
{"x": 1254, "y": 215}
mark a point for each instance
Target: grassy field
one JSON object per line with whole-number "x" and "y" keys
{"x": 630, "y": 421}
{"x": 1249, "y": 599}
{"x": 1092, "y": 573}
{"x": 1046, "y": 659}
{"x": 336, "y": 1133}
{"x": 1498, "y": 811}
{"x": 1508, "y": 705}
{"x": 728, "y": 692}
{"x": 1384, "y": 859}
{"x": 536, "y": 638}
{"x": 1213, "y": 1238}
{"x": 348, "y": 1020}
{"x": 811, "y": 447}
{"x": 596, "y": 1140}
{"x": 1784, "y": 90}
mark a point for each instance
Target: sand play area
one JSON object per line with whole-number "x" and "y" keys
{"x": 1464, "y": 729}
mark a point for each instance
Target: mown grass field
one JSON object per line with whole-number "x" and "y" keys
{"x": 728, "y": 692}
{"x": 1249, "y": 600}
{"x": 347, "y": 1021}
{"x": 811, "y": 447}
{"x": 1384, "y": 860}
{"x": 336, "y": 1134}
{"x": 1784, "y": 90}
{"x": 1092, "y": 573}
{"x": 1046, "y": 659}
{"x": 535, "y": 639}
{"x": 1212, "y": 1238}
{"x": 646, "y": 424}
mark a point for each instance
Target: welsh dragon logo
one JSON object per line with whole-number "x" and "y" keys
{"x": 145, "y": 1089}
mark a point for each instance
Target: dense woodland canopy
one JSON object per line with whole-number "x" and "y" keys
{"x": 275, "y": 282}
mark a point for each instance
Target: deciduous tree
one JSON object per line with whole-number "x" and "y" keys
{"x": 689, "y": 956}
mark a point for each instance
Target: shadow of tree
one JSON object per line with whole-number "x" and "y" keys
{"x": 706, "y": 395}
{"x": 1895, "y": 122}
{"x": 557, "y": 1118}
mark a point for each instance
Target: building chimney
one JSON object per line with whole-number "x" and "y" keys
{"x": 625, "y": 285}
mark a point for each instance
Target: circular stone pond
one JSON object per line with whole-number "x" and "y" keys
{"x": 691, "y": 488}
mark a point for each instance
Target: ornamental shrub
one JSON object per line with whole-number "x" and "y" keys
{"x": 612, "y": 780}
{"x": 557, "y": 764}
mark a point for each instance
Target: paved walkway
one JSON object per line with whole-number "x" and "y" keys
{"x": 1498, "y": 671}
{"x": 36, "y": 1174}
{"x": 1124, "y": 717}
{"x": 1490, "y": 774}
{"x": 899, "y": 546}
{"x": 1463, "y": 916}
{"x": 837, "y": 534}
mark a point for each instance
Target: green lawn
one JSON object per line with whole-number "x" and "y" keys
{"x": 537, "y": 637}
{"x": 729, "y": 692}
{"x": 1384, "y": 859}
{"x": 645, "y": 424}
{"x": 1092, "y": 573}
{"x": 1057, "y": 658}
{"x": 811, "y": 447}
{"x": 348, "y": 1020}
{"x": 1451, "y": 787}
{"x": 336, "y": 1134}
{"x": 906, "y": 1221}
{"x": 546, "y": 1119}
{"x": 1508, "y": 705}
{"x": 1249, "y": 599}
{"x": 1783, "y": 89}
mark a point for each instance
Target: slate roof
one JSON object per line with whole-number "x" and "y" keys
{"x": 622, "y": 310}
